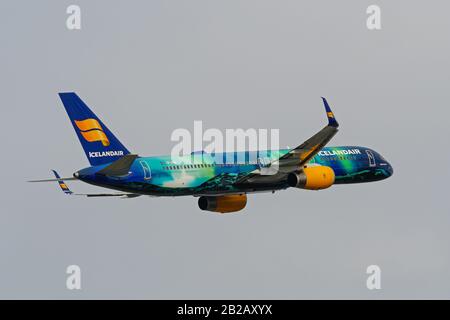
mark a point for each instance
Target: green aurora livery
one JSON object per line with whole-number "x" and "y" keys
{"x": 213, "y": 177}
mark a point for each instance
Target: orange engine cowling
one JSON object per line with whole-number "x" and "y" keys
{"x": 223, "y": 204}
{"x": 312, "y": 178}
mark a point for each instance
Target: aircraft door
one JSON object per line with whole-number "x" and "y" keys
{"x": 371, "y": 158}
{"x": 146, "y": 170}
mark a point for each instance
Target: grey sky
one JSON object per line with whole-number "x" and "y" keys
{"x": 149, "y": 67}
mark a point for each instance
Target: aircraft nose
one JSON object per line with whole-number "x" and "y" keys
{"x": 389, "y": 170}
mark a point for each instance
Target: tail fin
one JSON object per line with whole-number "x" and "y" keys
{"x": 99, "y": 144}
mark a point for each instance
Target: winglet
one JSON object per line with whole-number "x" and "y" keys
{"x": 62, "y": 184}
{"x": 331, "y": 119}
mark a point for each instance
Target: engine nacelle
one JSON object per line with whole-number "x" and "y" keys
{"x": 223, "y": 204}
{"x": 312, "y": 178}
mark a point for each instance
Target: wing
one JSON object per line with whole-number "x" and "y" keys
{"x": 67, "y": 191}
{"x": 297, "y": 157}
{"x": 308, "y": 149}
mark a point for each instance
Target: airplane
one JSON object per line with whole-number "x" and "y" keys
{"x": 220, "y": 187}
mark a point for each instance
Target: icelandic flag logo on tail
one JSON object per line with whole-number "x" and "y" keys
{"x": 92, "y": 131}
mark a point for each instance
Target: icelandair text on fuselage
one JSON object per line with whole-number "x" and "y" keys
{"x": 338, "y": 152}
{"x": 100, "y": 154}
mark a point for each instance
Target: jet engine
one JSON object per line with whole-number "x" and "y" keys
{"x": 223, "y": 204}
{"x": 312, "y": 178}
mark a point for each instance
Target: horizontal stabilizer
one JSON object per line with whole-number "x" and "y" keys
{"x": 120, "y": 167}
{"x": 52, "y": 180}
{"x": 67, "y": 191}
